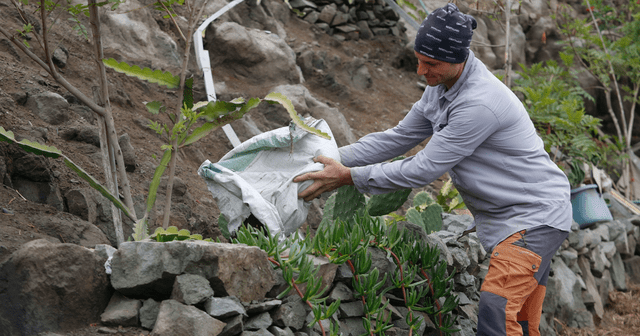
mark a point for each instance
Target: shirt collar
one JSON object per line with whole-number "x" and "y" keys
{"x": 453, "y": 92}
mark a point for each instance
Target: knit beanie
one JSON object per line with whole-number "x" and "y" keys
{"x": 446, "y": 34}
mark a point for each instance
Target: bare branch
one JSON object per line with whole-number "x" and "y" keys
{"x": 172, "y": 19}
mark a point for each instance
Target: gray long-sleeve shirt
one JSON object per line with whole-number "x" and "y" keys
{"x": 482, "y": 135}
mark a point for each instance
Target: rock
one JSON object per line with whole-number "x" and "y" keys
{"x": 121, "y": 311}
{"x": 234, "y": 326}
{"x": 257, "y": 322}
{"x": 361, "y": 78}
{"x": 632, "y": 267}
{"x": 384, "y": 264}
{"x": 599, "y": 261}
{"x": 291, "y": 313}
{"x": 460, "y": 258}
{"x": 174, "y": 318}
{"x": 135, "y": 34}
{"x": 71, "y": 230}
{"x": 149, "y": 268}
{"x": 50, "y": 107}
{"x": 222, "y": 308}
{"x": 261, "y": 332}
{"x": 39, "y": 192}
{"x": 280, "y": 332}
{"x": 328, "y": 13}
{"x": 365, "y": 31}
{"x": 82, "y": 133}
{"x": 352, "y": 326}
{"x": 260, "y": 307}
{"x": 266, "y": 57}
{"x": 51, "y": 287}
{"x": 312, "y": 17}
{"x": 565, "y": 292}
{"x": 149, "y": 313}
{"x": 80, "y": 203}
{"x": 60, "y": 56}
{"x": 191, "y": 289}
{"x": 128, "y": 153}
{"x": 340, "y": 292}
{"x": 591, "y": 286}
{"x": 351, "y": 309}
{"x": 618, "y": 275}
{"x": 344, "y": 274}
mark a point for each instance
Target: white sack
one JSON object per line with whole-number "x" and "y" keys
{"x": 256, "y": 177}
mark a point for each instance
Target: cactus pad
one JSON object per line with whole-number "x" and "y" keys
{"x": 383, "y": 204}
{"x": 430, "y": 218}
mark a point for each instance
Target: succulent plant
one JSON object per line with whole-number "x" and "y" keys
{"x": 382, "y": 204}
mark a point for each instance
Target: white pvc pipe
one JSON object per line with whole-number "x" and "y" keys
{"x": 204, "y": 63}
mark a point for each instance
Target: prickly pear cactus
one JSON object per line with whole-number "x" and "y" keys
{"x": 383, "y": 204}
{"x": 422, "y": 198}
{"x": 429, "y": 217}
{"x": 344, "y": 204}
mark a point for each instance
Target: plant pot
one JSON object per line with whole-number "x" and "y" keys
{"x": 589, "y": 207}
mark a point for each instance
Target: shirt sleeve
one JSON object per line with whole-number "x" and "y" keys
{"x": 467, "y": 129}
{"x": 381, "y": 146}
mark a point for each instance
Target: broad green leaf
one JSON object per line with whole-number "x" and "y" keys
{"x": 153, "y": 76}
{"x": 215, "y": 110}
{"x": 284, "y": 101}
{"x": 154, "y": 107}
{"x": 187, "y": 97}
{"x": 155, "y": 182}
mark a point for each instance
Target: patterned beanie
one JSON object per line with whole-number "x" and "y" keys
{"x": 446, "y": 35}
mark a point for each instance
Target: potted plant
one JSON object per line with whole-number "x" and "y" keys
{"x": 555, "y": 102}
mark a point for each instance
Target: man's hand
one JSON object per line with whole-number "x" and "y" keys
{"x": 333, "y": 176}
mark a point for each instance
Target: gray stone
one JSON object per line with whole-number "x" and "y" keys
{"x": 50, "y": 107}
{"x": 39, "y": 192}
{"x": 234, "y": 326}
{"x": 632, "y": 267}
{"x": 82, "y": 133}
{"x": 60, "y": 56}
{"x": 312, "y": 17}
{"x": 463, "y": 299}
{"x": 339, "y": 19}
{"x": 150, "y": 268}
{"x": 191, "y": 289}
{"x": 128, "y": 153}
{"x": 592, "y": 288}
{"x": 384, "y": 264}
{"x": 221, "y": 308}
{"x": 340, "y": 292}
{"x": 464, "y": 279}
{"x": 121, "y": 311}
{"x": 569, "y": 256}
{"x": 264, "y": 306}
{"x": 365, "y": 31}
{"x": 615, "y": 229}
{"x": 609, "y": 249}
{"x": 460, "y": 258}
{"x": 315, "y": 328}
{"x": 599, "y": 261}
{"x": 632, "y": 243}
{"x": 434, "y": 240}
{"x": 280, "y": 332}
{"x": 174, "y": 318}
{"x": 149, "y": 313}
{"x": 344, "y": 273}
{"x": 291, "y": 313}
{"x": 622, "y": 244}
{"x": 618, "y": 275}
{"x": 300, "y": 4}
{"x": 567, "y": 291}
{"x": 380, "y": 31}
{"x": 603, "y": 232}
{"x": 51, "y": 287}
{"x": 351, "y": 309}
{"x": 352, "y": 327}
{"x": 257, "y": 322}
{"x": 261, "y": 332}
{"x": 104, "y": 330}
{"x": 328, "y": 13}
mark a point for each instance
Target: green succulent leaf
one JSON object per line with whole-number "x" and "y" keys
{"x": 152, "y": 76}
{"x": 284, "y": 101}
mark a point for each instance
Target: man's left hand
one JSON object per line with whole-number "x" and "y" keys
{"x": 333, "y": 176}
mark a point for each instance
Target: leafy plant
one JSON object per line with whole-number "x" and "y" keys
{"x": 173, "y": 233}
{"x": 555, "y": 102}
{"x": 606, "y": 45}
{"x": 420, "y": 276}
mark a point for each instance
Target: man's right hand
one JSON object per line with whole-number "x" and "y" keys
{"x": 333, "y": 176}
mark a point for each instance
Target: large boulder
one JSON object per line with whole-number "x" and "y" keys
{"x": 259, "y": 56}
{"x": 149, "y": 269}
{"x": 51, "y": 287}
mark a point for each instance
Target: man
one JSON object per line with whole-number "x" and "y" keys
{"x": 482, "y": 135}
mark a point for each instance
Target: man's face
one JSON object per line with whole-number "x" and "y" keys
{"x": 438, "y": 72}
